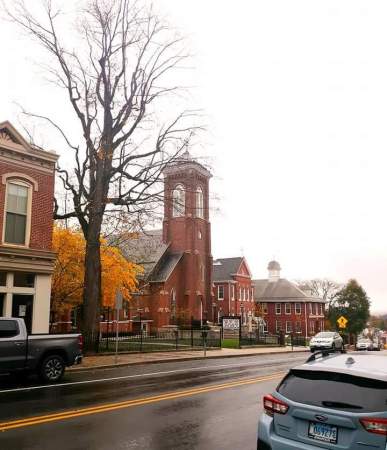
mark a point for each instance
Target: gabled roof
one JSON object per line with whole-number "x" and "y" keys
{"x": 280, "y": 290}
{"x": 146, "y": 250}
{"x": 225, "y": 268}
{"x": 11, "y": 138}
{"x": 163, "y": 270}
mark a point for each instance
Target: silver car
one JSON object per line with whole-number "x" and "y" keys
{"x": 364, "y": 344}
{"x": 330, "y": 402}
{"x": 326, "y": 340}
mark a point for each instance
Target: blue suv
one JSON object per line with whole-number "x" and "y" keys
{"x": 335, "y": 402}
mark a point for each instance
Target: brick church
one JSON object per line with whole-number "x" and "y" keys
{"x": 176, "y": 286}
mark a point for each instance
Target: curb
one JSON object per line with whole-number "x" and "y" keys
{"x": 163, "y": 361}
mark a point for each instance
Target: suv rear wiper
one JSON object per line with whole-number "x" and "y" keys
{"x": 332, "y": 404}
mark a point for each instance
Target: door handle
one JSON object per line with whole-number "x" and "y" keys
{"x": 19, "y": 344}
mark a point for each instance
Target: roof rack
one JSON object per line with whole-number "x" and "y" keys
{"x": 320, "y": 354}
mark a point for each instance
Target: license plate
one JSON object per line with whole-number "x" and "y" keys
{"x": 322, "y": 432}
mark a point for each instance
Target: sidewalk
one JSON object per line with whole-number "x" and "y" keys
{"x": 108, "y": 361}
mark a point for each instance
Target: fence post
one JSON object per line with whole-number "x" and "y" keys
{"x": 140, "y": 337}
{"x": 176, "y": 337}
{"x": 192, "y": 336}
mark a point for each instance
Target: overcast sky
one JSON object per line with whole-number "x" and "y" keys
{"x": 296, "y": 96}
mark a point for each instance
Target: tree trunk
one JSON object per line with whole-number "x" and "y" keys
{"x": 92, "y": 287}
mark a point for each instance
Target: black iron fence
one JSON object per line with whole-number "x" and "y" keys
{"x": 259, "y": 339}
{"x": 171, "y": 340}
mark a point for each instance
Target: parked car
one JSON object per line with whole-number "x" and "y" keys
{"x": 377, "y": 345}
{"x": 44, "y": 354}
{"x": 364, "y": 344}
{"x": 330, "y": 402}
{"x": 326, "y": 340}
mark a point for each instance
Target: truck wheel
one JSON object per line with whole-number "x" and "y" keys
{"x": 52, "y": 369}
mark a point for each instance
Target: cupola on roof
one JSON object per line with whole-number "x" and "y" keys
{"x": 274, "y": 265}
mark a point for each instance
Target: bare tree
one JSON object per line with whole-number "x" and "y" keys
{"x": 321, "y": 287}
{"x": 115, "y": 81}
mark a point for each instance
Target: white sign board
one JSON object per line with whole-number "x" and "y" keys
{"x": 231, "y": 324}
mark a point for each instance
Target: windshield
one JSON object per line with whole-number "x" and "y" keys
{"x": 324, "y": 335}
{"x": 335, "y": 390}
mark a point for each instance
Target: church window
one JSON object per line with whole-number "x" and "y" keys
{"x": 173, "y": 305}
{"x": 178, "y": 196}
{"x": 199, "y": 203}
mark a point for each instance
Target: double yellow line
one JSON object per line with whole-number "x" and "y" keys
{"x": 130, "y": 403}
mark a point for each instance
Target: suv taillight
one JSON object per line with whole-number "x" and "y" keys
{"x": 374, "y": 425}
{"x": 273, "y": 405}
{"x": 80, "y": 342}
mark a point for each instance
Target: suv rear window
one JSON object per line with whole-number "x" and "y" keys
{"x": 335, "y": 390}
{"x": 8, "y": 328}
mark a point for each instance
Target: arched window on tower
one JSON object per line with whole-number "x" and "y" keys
{"x": 199, "y": 203}
{"x": 178, "y": 197}
{"x": 173, "y": 306}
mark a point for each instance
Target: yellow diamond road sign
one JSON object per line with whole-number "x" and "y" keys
{"x": 342, "y": 321}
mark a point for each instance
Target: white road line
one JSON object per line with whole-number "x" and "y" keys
{"x": 127, "y": 377}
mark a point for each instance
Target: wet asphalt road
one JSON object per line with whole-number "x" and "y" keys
{"x": 212, "y": 404}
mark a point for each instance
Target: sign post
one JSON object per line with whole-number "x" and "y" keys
{"x": 118, "y": 308}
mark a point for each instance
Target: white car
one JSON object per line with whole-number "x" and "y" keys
{"x": 377, "y": 345}
{"x": 326, "y": 340}
{"x": 364, "y": 344}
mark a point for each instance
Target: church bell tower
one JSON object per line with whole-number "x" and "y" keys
{"x": 187, "y": 229}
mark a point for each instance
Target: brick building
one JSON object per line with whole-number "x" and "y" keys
{"x": 233, "y": 290}
{"x": 285, "y": 307}
{"x": 26, "y": 220}
{"x": 176, "y": 284}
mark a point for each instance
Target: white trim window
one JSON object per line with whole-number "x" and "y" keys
{"x": 178, "y": 200}
{"x": 278, "y": 326}
{"x": 288, "y": 308}
{"x": 232, "y": 292}
{"x": 297, "y": 308}
{"x": 311, "y": 326}
{"x": 17, "y": 214}
{"x": 248, "y": 294}
{"x": 278, "y": 308}
{"x": 220, "y": 292}
{"x": 240, "y": 294}
{"x": 321, "y": 309}
{"x": 310, "y": 308}
{"x": 298, "y": 327}
{"x": 288, "y": 326}
{"x": 199, "y": 203}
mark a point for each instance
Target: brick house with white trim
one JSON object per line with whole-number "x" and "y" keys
{"x": 285, "y": 307}
{"x": 26, "y": 219}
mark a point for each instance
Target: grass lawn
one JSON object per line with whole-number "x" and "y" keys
{"x": 230, "y": 343}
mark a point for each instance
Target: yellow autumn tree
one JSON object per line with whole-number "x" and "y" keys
{"x": 67, "y": 281}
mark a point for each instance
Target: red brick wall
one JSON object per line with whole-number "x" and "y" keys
{"x": 238, "y": 305}
{"x": 42, "y": 205}
{"x": 271, "y": 317}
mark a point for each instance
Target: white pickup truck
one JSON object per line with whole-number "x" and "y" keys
{"x": 44, "y": 354}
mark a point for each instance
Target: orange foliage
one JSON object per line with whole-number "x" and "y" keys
{"x": 67, "y": 282}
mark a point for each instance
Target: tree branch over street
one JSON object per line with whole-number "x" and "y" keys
{"x": 117, "y": 79}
